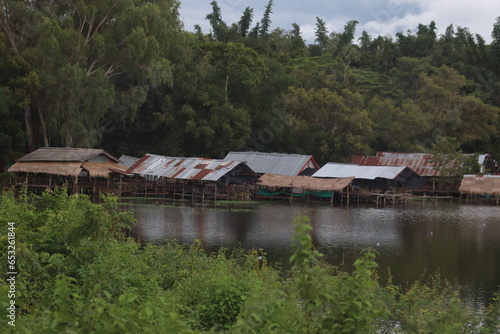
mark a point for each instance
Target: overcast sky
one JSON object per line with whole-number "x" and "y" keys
{"x": 377, "y": 17}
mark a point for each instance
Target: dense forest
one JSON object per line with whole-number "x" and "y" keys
{"x": 126, "y": 76}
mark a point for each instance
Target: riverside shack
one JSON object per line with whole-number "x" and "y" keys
{"x": 487, "y": 186}
{"x": 424, "y": 164}
{"x": 191, "y": 177}
{"x": 301, "y": 187}
{"x": 276, "y": 163}
{"x": 77, "y": 169}
{"x": 373, "y": 182}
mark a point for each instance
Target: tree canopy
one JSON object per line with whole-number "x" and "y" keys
{"x": 126, "y": 76}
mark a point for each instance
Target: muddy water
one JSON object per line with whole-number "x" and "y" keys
{"x": 461, "y": 242}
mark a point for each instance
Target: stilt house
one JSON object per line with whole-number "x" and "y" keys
{"x": 276, "y": 163}
{"x": 373, "y": 178}
{"x": 191, "y": 177}
{"x": 78, "y": 169}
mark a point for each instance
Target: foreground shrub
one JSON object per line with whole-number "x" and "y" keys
{"x": 78, "y": 273}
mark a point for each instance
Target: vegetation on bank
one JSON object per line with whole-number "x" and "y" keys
{"x": 79, "y": 273}
{"x": 127, "y": 77}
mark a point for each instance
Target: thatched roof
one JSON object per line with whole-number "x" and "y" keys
{"x": 95, "y": 169}
{"x": 65, "y": 154}
{"x": 480, "y": 184}
{"x": 55, "y": 168}
{"x": 102, "y": 169}
{"x": 304, "y": 182}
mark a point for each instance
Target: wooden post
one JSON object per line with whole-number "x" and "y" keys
{"x": 348, "y": 199}
{"x": 120, "y": 185}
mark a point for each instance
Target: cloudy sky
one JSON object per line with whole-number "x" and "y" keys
{"x": 377, "y": 17}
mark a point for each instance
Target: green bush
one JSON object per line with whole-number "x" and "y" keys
{"x": 79, "y": 273}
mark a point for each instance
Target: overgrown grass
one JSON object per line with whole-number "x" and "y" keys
{"x": 78, "y": 273}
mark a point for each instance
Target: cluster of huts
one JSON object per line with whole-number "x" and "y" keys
{"x": 386, "y": 177}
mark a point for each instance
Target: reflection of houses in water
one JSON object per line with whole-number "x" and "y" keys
{"x": 78, "y": 169}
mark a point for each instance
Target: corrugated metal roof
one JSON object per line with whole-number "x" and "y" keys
{"x": 421, "y": 163}
{"x": 127, "y": 160}
{"x": 273, "y": 163}
{"x": 66, "y": 154}
{"x": 359, "y": 172}
{"x": 182, "y": 168}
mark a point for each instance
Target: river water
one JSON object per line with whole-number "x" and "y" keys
{"x": 460, "y": 242}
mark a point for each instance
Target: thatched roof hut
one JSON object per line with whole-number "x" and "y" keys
{"x": 66, "y": 161}
{"x": 304, "y": 182}
{"x": 480, "y": 185}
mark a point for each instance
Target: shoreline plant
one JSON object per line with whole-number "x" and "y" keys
{"x": 78, "y": 272}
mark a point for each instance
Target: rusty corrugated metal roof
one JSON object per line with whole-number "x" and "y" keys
{"x": 182, "y": 168}
{"x": 421, "y": 163}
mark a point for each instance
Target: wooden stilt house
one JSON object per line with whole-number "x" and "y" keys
{"x": 77, "y": 169}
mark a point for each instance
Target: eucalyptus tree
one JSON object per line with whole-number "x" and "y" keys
{"x": 94, "y": 60}
{"x": 17, "y": 83}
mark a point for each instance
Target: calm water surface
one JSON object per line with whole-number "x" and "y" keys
{"x": 461, "y": 242}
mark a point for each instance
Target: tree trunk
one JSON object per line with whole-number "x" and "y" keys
{"x": 44, "y": 128}
{"x": 29, "y": 128}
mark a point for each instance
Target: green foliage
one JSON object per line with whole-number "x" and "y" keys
{"x": 431, "y": 308}
{"x": 78, "y": 273}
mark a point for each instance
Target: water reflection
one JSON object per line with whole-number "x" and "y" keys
{"x": 461, "y": 242}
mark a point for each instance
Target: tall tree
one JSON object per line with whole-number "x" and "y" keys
{"x": 245, "y": 22}
{"x": 265, "y": 23}
{"x": 219, "y": 27}
{"x": 495, "y": 46}
{"x": 328, "y": 125}
{"x": 321, "y": 33}
{"x": 94, "y": 59}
